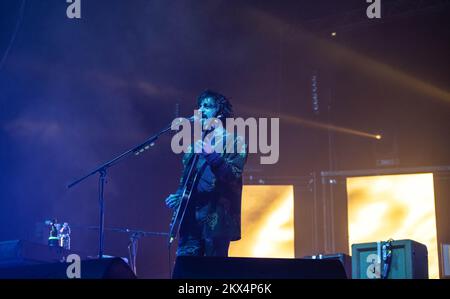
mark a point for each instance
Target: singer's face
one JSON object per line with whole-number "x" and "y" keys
{"x": 209, "y": 108}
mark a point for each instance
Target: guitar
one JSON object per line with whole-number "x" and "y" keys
{"x": 188, "y": 187}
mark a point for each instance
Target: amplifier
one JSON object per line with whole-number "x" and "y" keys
{"x": 409, "y": 259}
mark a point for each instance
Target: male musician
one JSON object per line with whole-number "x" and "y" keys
{"x": 213, "y": 215}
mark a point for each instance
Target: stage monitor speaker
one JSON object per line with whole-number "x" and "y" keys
{"x": 256, "y": 268}
{"x": 24, "y": 253}
{"x": 106, "y": 268}
{"x": 345, "y": 260}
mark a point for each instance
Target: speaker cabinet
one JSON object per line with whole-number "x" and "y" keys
{"x": 256, "y": 268}
{"x": 106, "y": 268}
{"x": 345, "y": 260}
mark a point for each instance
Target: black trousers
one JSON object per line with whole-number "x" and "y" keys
{"x": 192, "y": 241}
{"x": 196, "y": 246}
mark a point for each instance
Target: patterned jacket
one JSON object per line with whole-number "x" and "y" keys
{"x": 216, "y": 199}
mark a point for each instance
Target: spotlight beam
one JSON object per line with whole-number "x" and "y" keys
{"x": 343, "y": 55}
{"x": 313, "y": 124}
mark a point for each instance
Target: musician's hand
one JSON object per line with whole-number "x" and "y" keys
{"x": 173, "y": 200}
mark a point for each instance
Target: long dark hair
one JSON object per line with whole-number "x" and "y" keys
{"x": 225, "y": 107}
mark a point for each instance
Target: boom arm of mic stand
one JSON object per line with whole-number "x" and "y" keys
{"x": 102, "y": 178}
{"x": 110, "y": 163}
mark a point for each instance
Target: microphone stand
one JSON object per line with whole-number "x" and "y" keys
{"x": 134, "y": 236}
{"x": 133, "y": 245}
{"x": 102, "y": 171}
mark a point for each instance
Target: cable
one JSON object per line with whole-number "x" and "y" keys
{"x": 13, "y": 37}
{"x": 387, "y": 258}
{"x": 170, "y": 262}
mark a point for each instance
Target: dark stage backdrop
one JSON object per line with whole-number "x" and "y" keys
{"x": 76, "y": 92}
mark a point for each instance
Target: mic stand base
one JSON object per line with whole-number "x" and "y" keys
{"x": 132, "y": 250}
{"x": 101, "y": 201}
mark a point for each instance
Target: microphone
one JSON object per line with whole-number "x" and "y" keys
{"x": 192, "y": 118}
{"x": 181, "y": 119}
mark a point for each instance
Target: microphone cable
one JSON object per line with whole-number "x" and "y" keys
{"x": 14, "y": 35}
{"x": 170, "y": 261}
